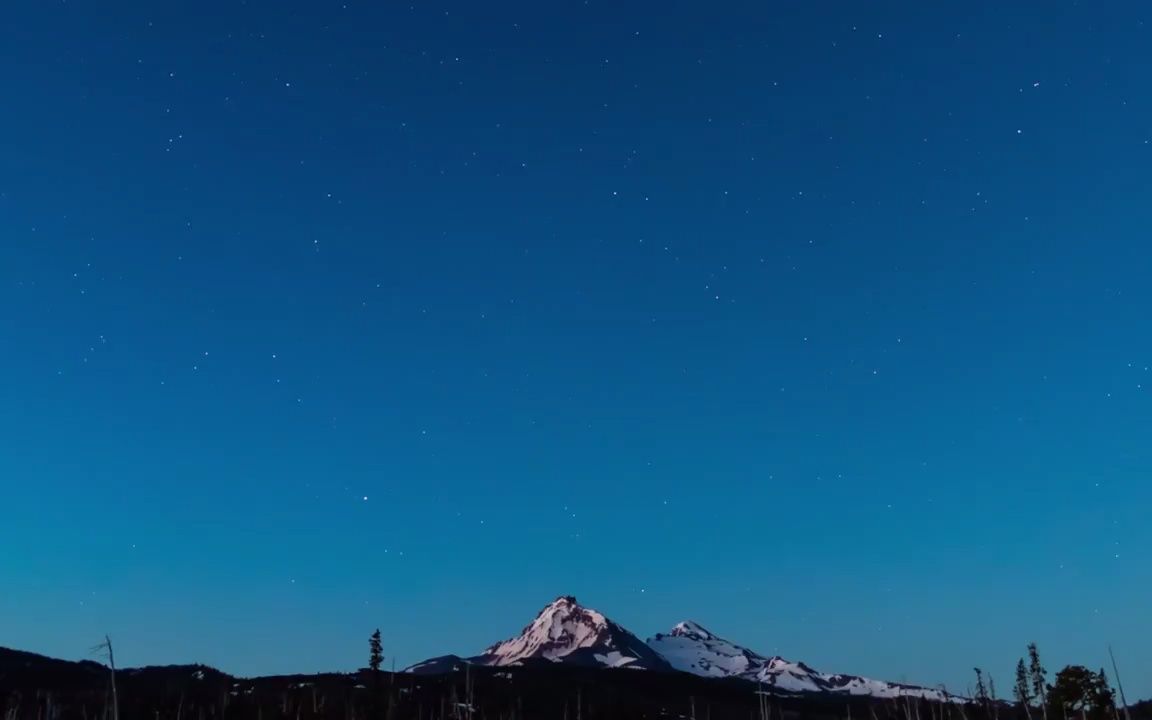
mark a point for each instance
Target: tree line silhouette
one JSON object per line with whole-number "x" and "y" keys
{"x": 33, "y": 687}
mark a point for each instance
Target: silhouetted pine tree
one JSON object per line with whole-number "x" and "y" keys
{"x": 376, "y": 652}
{"x": 375, "y": 660}
{"x": 1039, "y": 678}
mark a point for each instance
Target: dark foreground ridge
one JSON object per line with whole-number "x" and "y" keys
{"x": 34, "y": 687}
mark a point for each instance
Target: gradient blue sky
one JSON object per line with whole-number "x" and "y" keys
{"x": 824, "y": 324}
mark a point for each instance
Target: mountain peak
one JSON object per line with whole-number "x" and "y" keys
{"x": 691, "y": 629}
{"x": 565, "y": 631}
{"x": 690, "y": 647}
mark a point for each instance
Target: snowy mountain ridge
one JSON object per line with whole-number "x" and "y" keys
{"x": 691, "y": 648}
{"x": 565, "y": 632}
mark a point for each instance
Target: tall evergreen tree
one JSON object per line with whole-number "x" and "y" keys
{"x": 375, "y": 660}
{"x": 1039, "y": 677}
{"x": 376, "y": 652}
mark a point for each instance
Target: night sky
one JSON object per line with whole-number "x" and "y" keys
{"x": 824, "y": 324}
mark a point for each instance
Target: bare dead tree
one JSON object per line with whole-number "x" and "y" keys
{"x": 105, "y": 649}
{"x": 1119, "y": 685}
{"x": 468, "y": 686}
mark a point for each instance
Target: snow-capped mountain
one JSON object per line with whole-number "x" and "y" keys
{"x": 567, "y": 632}
{"x": 691, "y": 648}
{"x": 563, "y": 632}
